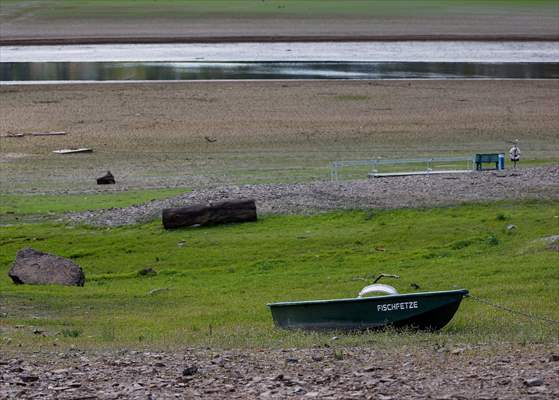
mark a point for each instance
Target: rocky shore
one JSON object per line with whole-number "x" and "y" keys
{"x": 459, "y": 373}
{"x": 376, "y": 193}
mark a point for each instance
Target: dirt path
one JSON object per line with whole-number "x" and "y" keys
{"x": 452, "y": 373}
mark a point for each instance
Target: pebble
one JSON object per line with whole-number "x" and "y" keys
{"x": 533, "y": 382}
{"x": 189, "y": 371}
{"x": 29, "y": 378}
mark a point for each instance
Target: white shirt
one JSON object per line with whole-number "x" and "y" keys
{"x": 514, "y": 153}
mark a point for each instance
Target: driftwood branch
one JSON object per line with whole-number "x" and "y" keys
{"x": 52, "y": 133}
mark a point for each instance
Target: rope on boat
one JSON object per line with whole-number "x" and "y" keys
{"x": 510, "y": 310}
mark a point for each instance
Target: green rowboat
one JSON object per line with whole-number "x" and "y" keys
{"x": 426, "y": 310}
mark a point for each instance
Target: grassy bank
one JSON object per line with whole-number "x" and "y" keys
{"x": 31, "y": 204}
{"x": 212, "y": 284}
{"x": 102, "y": 21}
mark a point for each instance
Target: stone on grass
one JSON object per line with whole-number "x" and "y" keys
{"x": 147, "y": 272}
{"x": 38, "y": 268}
{"x": 511, "y": 228}
{"x": 552, "y": 242}
{"x": 157, "y": 291}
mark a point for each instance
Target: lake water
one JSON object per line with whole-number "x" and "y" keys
{"x": 267, "y": 61}
{"x": 37, "y": 72}
{"x": 401, "y": 51}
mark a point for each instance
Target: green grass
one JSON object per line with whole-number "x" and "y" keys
{"x": 13, "y": 204}
{"x": 259, "y": 8}
{"x": 212, "y": 284}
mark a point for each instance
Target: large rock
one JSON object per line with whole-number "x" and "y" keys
{"x": 37, "y": 268}
{"x": 107, "y": 179}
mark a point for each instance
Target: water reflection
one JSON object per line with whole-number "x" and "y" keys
{"x": 170, "y": 71}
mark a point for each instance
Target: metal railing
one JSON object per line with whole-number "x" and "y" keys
{"x": 429, "y": 163}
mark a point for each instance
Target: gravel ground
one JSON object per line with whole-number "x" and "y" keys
{"x": 392, "y": 192}
{"x": 322, "y": 373}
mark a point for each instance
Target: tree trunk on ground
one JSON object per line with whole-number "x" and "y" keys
{"x": 217, "y": 213}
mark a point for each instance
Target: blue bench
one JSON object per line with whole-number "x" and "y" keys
{"x": 488, "y": 158}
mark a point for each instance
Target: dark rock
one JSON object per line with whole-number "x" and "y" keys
{"x": 189, "y": 371}
{"x": 29, "y": 378}
{"x": 38, "y": 268}
{"x": 554, "y": 357}
{"x": 372, "y": 369}
{"x": 107, "y": 179}
{"x": 147, "y": 272}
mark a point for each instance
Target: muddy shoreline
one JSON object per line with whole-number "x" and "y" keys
{"x": 33, "y": 41}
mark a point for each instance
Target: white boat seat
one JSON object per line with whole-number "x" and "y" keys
{"x": 379, "y": 288}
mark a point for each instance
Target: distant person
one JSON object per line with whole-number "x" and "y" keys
{"x": 514, "y": 153}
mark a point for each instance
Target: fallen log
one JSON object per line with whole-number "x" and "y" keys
{"x": 218, "y": 213}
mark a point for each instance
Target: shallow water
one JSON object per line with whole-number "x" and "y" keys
{"x": 405, "y": 51}
{"x": 180, "y": 71}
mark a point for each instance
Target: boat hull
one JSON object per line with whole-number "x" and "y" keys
{"x": 427, "y": 311}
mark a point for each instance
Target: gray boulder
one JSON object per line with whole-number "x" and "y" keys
{"x": 37, "y": 268}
